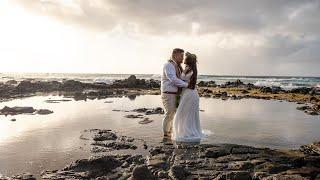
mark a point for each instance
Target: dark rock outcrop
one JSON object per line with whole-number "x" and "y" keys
{"x": 22, "y": 176}
{"x": 16, "y": 110}
{"x": 37, "y": 86}
{"x": 207, "y": 84}
{"x": 301, "y": 90}
{"x": 107, "y": 140}
{"x": 145, "y": 121}
{"x": 178, "y": 172}
{"x": 12, "y": 82}
{"x": 311, "y": 149}
{"x": 86, "y": 168}
{"x": 72, "y": 85}
{"x": 310, "y": 109}
{"x": 133, "y": 82}
{"x": 193, "y": 161}
{"x": 44, "y": 111}
{"x": 23, "y": 110}
{"x": 148, "y": 111}
{"x": 230, "y": 84}
{"x": 273, "y": 89}
{"x": 142, "y": 173}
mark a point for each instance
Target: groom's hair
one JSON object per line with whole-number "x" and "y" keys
{"x": 177, "y": 50}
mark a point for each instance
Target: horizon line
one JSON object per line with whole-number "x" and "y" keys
{"x": 221, "y": 75}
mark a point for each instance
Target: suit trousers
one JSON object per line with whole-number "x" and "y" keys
{"x": 169, "y": 103}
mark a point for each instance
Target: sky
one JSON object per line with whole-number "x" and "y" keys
{"x": 234, "y": 37}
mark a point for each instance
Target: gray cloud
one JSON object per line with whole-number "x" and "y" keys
{"x": 82, "y": 14}
{"x": 289, "y": 29}
{"x": 177, "y": 16}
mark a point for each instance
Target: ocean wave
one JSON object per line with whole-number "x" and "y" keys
{"x": 283, "y": 82}
{"x": 286, "y": 86}
{"x": 267, "y": 83}
{"x": 107, "y": 81}
{"x": 156, "y": 76}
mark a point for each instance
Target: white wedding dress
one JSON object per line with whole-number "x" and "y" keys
{"x": 186, "y": 123}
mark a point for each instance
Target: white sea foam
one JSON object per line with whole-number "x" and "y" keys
{"x": 283, "y": 82}
{"x": 107, "y": 81}
{"x": 156, "y": 76}
{"x": 267, "y": 83}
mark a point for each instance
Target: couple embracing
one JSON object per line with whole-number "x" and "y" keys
{"x": 180, "y": 98}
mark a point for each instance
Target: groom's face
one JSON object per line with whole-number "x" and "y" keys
{"x": 179, "y": 57}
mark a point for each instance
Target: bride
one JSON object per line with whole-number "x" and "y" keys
{"x": 186, "y": 123}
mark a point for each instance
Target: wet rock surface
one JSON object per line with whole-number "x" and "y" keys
{"x": 207, "y": 84}
{"x": 236, "y": 83}
{"x": 305, "y": 90}
{"x": 134, "y": 116}
{"x": 44, "y": 111}
{"x": 23, "y": 110}
{"x": 133, "y": 82}
{"x": 77, "y": 89}
{"x": 273, "y": 89}
{"x": 313, "y": 109}
{"x": 311, "y": 149}
{"x": 145, "y": 111}
{"x": 57, "y": 100}
{"x": 228, "y": 161}
{"x": 149, "y": 111}
{"x": 142, "y": 114}
{"x": 238, "y": 90}
{"x": 107, "y": 141}
{"x": 23, "y": 176}
{"x": 172, "y": 160}
{"x": 87, "y": 168}
{"x": 16, "y": 110}
{"x": 145, "y": 121}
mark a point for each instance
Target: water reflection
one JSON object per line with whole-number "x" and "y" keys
{"x": 183, "y": 144}
{"x": 168, "y": 140}
{"x": 33, "y": 143}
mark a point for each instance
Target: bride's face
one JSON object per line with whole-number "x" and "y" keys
{"x": 185, "y": 64}
{"x": 184, "y": 61}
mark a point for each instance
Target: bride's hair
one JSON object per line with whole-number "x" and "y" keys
{"x": 191, "y": 61}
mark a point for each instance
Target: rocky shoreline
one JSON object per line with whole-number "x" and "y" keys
{"x": 308, "y": 97}
{"x": 116, "y": 156}
{"x": 170, "y": 160}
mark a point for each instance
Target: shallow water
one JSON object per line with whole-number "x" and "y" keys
{"x": 34, "y": 143}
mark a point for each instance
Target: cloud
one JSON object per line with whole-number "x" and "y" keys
{"x": 177, "y": 16}
{"x": 81, "y": 13}
{"x": 273, "y": 32}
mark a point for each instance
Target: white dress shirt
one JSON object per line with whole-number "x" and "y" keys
{"x": 169, "y": 80}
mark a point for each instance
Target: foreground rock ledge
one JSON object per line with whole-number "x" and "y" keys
{"x": 191, "y": 161}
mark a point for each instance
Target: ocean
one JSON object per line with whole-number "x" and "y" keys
{"x": 285, "y": 82}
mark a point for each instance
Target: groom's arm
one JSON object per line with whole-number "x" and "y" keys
{"x": 172, "y": 76}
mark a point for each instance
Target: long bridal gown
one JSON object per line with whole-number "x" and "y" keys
{"x": 186, "y": 123}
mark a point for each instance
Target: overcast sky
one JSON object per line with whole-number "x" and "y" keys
{"x": 231, "y": 37}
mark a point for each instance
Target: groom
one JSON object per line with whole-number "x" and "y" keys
{"x": 170, "y": 84}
